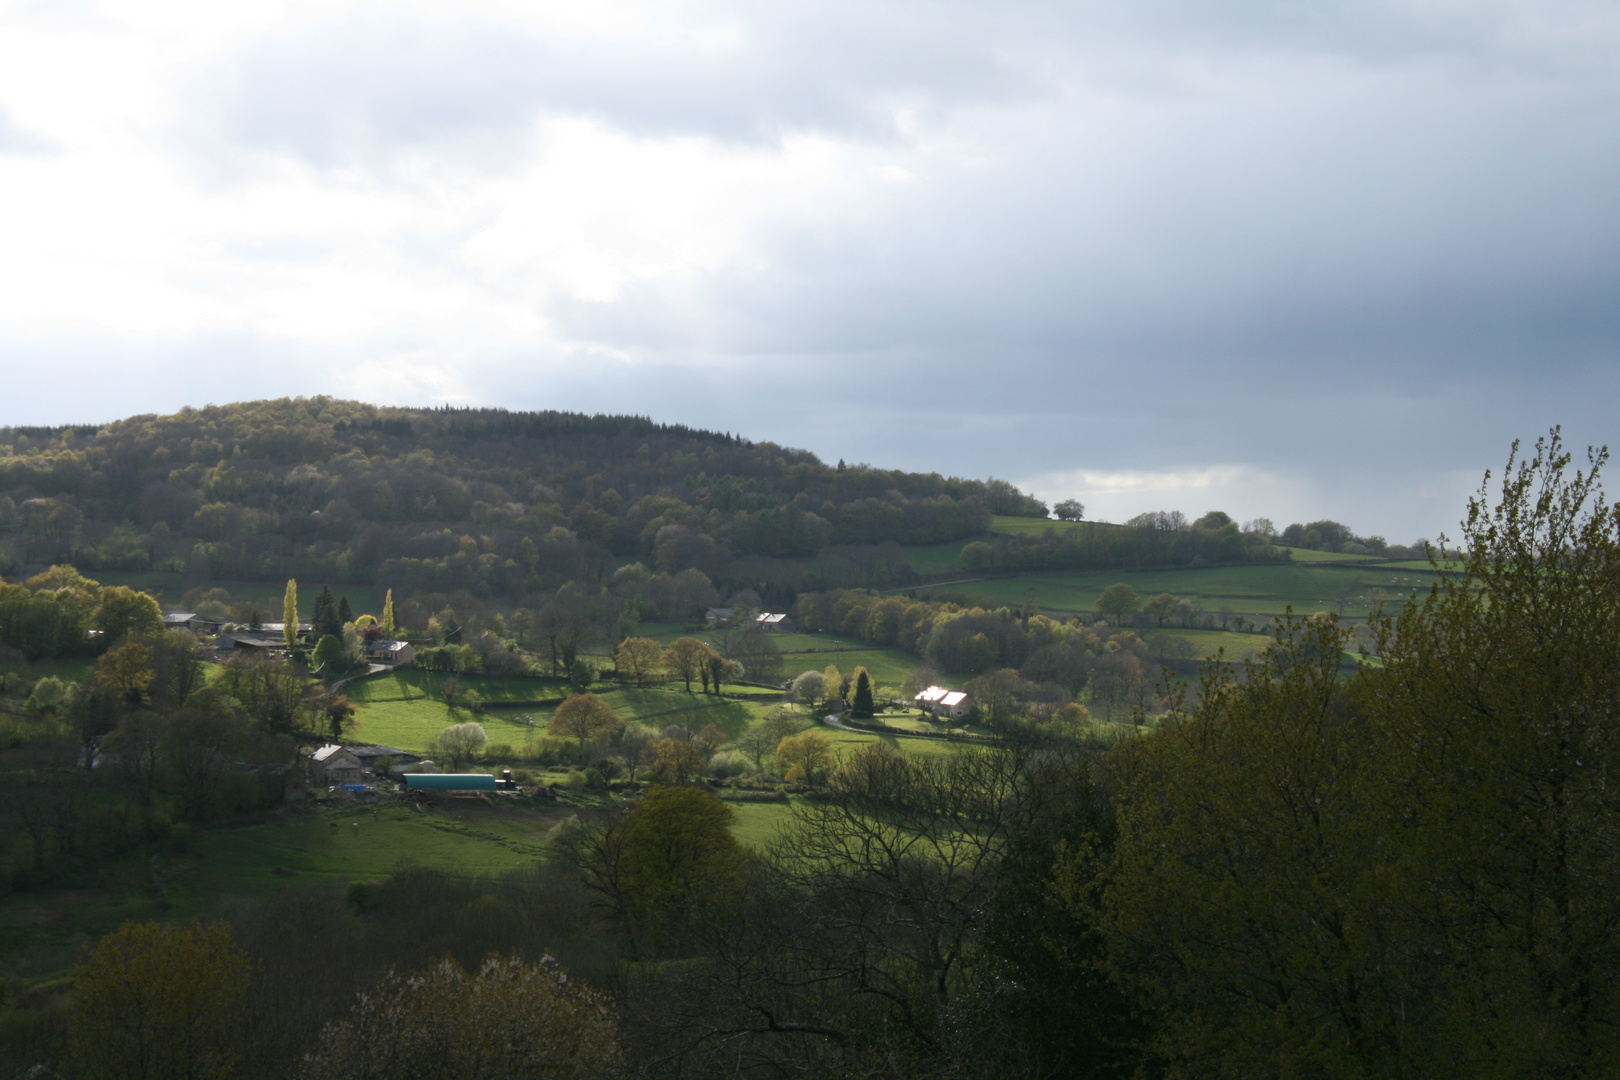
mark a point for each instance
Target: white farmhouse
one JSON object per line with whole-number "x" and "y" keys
{"x": 951, "y": 703}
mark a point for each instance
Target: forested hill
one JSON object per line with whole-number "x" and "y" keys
{"x": 501, "y": 503}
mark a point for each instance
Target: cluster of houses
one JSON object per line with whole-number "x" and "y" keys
{"x": 272, "y": 637}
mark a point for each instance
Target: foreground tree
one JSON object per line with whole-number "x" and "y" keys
{"x": 159, "y": 1000}
{"x": 672, "y": 852}
{"x": 511, "y": 1020}
{"x": 1416, "y": 873}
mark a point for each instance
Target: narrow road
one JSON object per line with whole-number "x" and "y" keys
{"x": 371, "y": 669}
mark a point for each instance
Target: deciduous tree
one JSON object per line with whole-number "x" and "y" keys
{"x": 1118, "y": 600}
{"x": 807, "y": 757}
{"x": 511, "y": 1019}
{"x": 160, "y": 1000}
{"x": 687, "y": 659}
{"x": 639, "y": 658}
{"x": 289, "y": 614}
{"x": 462, "y": 742}
{"x": 584, "y": 716}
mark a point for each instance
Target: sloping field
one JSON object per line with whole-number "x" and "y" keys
{"x": 1247, "y": 590}
{"x": 413, "y": 723}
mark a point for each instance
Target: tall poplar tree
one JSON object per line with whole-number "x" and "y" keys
{"x": 289, "y": 614}
{"x": 389, "y": 629}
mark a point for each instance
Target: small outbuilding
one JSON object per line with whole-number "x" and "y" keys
{"x": 333, "y": 765}
{"x": 718, "y": 616}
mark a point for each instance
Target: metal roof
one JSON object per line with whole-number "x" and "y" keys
{"x": 450, "y": 782}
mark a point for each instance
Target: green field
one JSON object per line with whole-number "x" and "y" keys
{"x": 1307, "y": 555}
{"x": 406, "y": 709}
{"x": 75, "y": 668}
{"x": 1206, "y": 643}
{"x": 223, "y": 866}
{"x": 888, "y": 666}
{"x": 1248, "y": 590}
{"x": 932, "y": 559}
{"x": 1032, "y": 526}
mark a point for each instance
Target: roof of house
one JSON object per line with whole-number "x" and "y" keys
{"x": 721, "y": 611}
{"x": 179, "y": 616}
{"x": 281, "y": 627}
{"x": 933, "y": 693}
{"x": 767, "y": 617}
{"x": 253, "y": 642}
{"x": 372, "y": 752}
{"x": 954, "y": 698}
{"x": 328, "y": 751}
{"x": 388, "y": 646}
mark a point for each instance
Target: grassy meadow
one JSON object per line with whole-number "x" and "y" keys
{"x": 1247, "y": 590}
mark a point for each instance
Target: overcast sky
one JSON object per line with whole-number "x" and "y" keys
{"x": 1293, "y": 258}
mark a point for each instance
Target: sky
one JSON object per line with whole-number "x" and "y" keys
{"x": 1293, "y": 258}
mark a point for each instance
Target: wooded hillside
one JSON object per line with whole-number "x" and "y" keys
{"x": 500, "y": 503}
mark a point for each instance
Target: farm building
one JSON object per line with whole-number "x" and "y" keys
{"x": 775, "y": 624}
{"x": 951, "y": 703}
{"x": 190, "y": 620}
{"x": 333, "y": 764}
{"x": 248, "y": 644}
{"x": 717, "y": 616}
{"x": 450, "y": 782}
{"x": 393, "y": 653}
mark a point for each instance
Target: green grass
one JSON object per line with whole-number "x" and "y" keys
{"x": 77, "y": 668}
{"x": 1307, "y": 555}
{"x": 404, "y": 709}
{"x": 1238, "y": 646}
{"x": 1248, "y": 590}
{"x": 1029, "y": 526}
{"x": 756, "y": 823}
{"x": 226, "y": 865}
{"x": 935, "y": 559}
{"x": 240, "y": 861}
{"x": 888, "y": 666}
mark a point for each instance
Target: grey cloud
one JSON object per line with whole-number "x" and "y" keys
{"x": 371, "y": 84}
